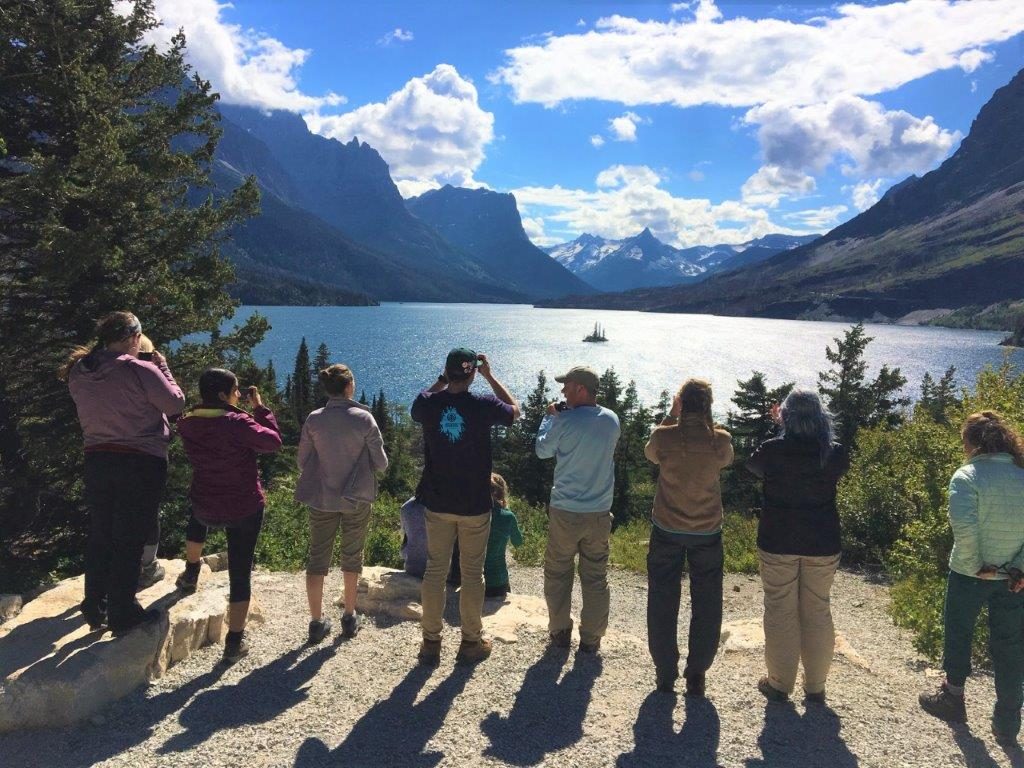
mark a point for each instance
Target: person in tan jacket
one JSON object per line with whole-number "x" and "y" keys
{"x": 340, "y": 452}
{"x": 690, "y": 451}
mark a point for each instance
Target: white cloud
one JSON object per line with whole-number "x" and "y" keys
{"x": 969, "y": 61}
{"x": 817, "y": 219}
{"x": 628, "y": 198}
{"x": 771, "y": 183}
{"x": 865, "y": 194}
{"x": 741, "y": 62}
{"x": 704, "y": 11}
{"x": 244, "y": 65}
{"x": 627, "y": 175}
{"x": 580, "y": 23}
{"x": 597, "y": 140}
{"x": 696, "y": 175}
{"x": 534, "y": 228}
{"x": 396, "y": 35}
{"x": 623, "y": 128}
{"x": 865, "y": 137}
{"x": 432, "y": 131}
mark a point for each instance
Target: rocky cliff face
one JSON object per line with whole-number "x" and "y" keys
{"x": 487, "y": 225}
{"x": 332, "y": 214}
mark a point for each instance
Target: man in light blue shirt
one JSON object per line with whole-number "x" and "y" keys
{"x": 581, "y": 436}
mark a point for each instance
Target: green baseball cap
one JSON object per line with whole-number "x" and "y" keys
{"x": 460, "y": 363}
{"x": 581, "y": 374}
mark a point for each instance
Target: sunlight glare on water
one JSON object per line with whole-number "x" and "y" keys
{"x": 401, "y": 347}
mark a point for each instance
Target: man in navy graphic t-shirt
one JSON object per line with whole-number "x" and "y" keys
{"x": 456, "y": 490}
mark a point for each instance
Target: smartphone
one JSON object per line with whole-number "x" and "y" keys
{"x": 146, "y": 356}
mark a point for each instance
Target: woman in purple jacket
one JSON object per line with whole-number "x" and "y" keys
{"x": 122, "y": 404}
{"x": 222, "y": 441}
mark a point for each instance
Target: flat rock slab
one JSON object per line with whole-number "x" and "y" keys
{"x": 389, "y": 592}
{"x": 54, "y": 671}
{"x": 748, "y": 635}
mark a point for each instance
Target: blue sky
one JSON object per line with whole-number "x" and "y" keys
{"x": 708, "y": 122}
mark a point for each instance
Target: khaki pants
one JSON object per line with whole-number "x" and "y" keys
{"x": 798, "y": 618}
{"x": 569, "y": 533}
{"x": 442, "y": 531}
{"x": 354, "y": 520}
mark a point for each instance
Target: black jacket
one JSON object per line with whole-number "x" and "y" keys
{"x": 799, "y": 515}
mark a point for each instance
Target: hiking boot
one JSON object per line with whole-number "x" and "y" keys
{"x": 149, "y": 574}
{"x": 351, "y": 623}
{"x": 770, "y": 692}
{"x": 944, "y": 705}
{"x": 187, "y": 582}
{"x": 430, "y": 653}
{"x": 814, "y": 698}
{"x": 95, "y": 614}
{"x": 473, "y": 652}
{"x": 665, "y": 681}
{"x": 562, "y": 638}
{"x": 318, "y": 630}
{"x": 235, "y": 648}
{"x": 593, "y": 647}
{"x": 1004, "y": 739}
{"x": 695, "y": 685}
{"x": 139, "y": 618}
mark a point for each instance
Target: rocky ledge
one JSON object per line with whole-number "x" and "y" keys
{"x": 55, "y": 671}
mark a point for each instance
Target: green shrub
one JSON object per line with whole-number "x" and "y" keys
{"x": 533, "y": 521}
{"x": 739, "y": 540}
{"x": 629, "y": 545}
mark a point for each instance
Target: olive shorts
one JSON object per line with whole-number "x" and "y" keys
{"x": 353, "y": 520}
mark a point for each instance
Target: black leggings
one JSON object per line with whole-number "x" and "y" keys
{"x": 123, "y": 492}
{"x": 242, "y": 536}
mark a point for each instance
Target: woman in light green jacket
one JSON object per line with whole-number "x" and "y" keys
{"x": 986, "y": 512}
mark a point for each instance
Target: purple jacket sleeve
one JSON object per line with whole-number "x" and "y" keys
{"x": 259, "y": 431}
{"x": 160, "y": 387}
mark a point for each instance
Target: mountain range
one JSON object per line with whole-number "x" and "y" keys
{"x": 333, "y": 223}
{"x": 951, "y": 238}
{"x": 645, "y": 261}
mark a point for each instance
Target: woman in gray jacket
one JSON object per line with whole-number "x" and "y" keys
{"x": 340, "y": 451}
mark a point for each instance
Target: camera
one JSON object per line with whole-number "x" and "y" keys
{"x": 147, "y": 356}
{"x": 562, "y": 406}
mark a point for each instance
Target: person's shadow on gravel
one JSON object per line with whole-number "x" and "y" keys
{"x": 656, "y": 742}
{"x": 975, "y": 752}
{"x": 788, "y": 738}
{"x": 258, "y": 697}
{"x": 396, "y": 730}
{"x": 547, "y": 714}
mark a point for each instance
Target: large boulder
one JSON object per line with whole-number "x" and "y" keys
{"x": 54, "y": 671}
{"x": 388, "y": 592}
{"x": 10, "y": 606}
{"x": 748, "y": 635}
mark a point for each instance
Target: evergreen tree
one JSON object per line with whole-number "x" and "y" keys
{"x": 634, "y": 489}
{"x": 362, "y": 398}
{"x": 321, "y": 360}
{"x": 853, "y": 400}
{"x": 938, "y": 398}
{"x": 105, "y": 139}
{"x": 381, "y": 410}
{"x": 300, "y": 395}
{"x": 611, "y": 390}
{"x": 663, "y": 406}
{"x": 752, "y": 423}
{"x": 515, "y": 458}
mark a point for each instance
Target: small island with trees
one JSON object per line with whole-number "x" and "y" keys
{"x": 597, "y": 334}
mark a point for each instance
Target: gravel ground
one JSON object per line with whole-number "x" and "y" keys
{"x": 366, "y": 703}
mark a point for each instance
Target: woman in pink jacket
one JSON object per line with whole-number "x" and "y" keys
{"x": 222, "y": 441}
{"x": 123, "y": 403}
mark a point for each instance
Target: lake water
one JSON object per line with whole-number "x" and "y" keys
{"x": 401, "y": 347}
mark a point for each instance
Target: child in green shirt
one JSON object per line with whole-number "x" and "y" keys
{"x": 504, "y": 527}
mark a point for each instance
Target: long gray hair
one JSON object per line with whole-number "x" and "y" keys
{"x": 805, "y": 416}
